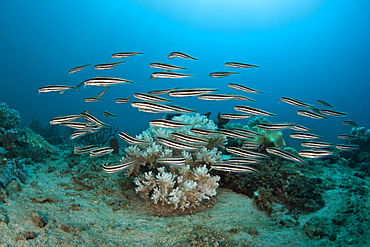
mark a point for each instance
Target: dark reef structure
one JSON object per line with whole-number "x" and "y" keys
{"x": 24, "y": 143}
{"x": 20, "y": 142}
{"x": 363, "y": 140}
{"x": 51, "y": 133}
{"x": 280, "y": 182}
{"x": 100, "y": 138}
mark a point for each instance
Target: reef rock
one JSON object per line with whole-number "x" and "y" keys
{"x": 13, "y": 170}
{"x": 8, "y": 117}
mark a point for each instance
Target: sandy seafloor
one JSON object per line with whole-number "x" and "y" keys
{"x": 99, "y": 210}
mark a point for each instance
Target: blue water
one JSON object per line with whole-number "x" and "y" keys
{"x": 311, "y": 50}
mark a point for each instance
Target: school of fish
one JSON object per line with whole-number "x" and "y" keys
{"x": 154, "y": 102}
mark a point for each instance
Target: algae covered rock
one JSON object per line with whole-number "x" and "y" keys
{"x": 8, "y": 117}
{"x": 34, "y": 145}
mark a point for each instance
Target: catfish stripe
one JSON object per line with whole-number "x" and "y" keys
{"x": 162, "y": 91}
{"x": 180, "y": 55}
{"x": 274, "y": 126}
{"x": 104, "y": 66}
{"x": 240, "y": 65}
{"x": 233, "y": 168}
{"x": 203, "y": 132}
{"x": 310, "y": 114}
{"x": 234, "y": 134}
{"x": 92, "y": 99}
{"x": 68, "y": 118}
{"x": 189, "y": 138}
{"x": 152, "y": 106}
{"x": 176, "y": 144}
{"x": 108, "y": 168}
{"x": 333, "y": 113}
{"x": 348, "y": 137}
{"x": 253, "y": 111}
{"x": 240, "y": 97}
{"x": 190, "y": 92}
{"x": 217, "y": 96}
{"x": 84, "y": 149}
{"x": 108, "y": 114}
{"x": 76, "y": 69}
{"x": 324, "y": 103}
{"x": 100, "y": 151}
{"x": 149, "y": 97}
{"x": 314, "y": 153}
{"x": 165, "y": 66}
{"x": 313, "y": 144}
{"x": 168, "y": 75}
{"x": 302, "y": 135}
{"x": 122, "y": 100}
{"x": 300, "y": 128}
{"x": 243, "y": 88}
{"x": 75, "y": 125}
{"x": 182, "y": 109}
{"x": 245, "y": 153}
{"x": 77, "y": 134}
{"x": 165, "y": 123}
{"x": 347, "y": 146}
{"x": 54, "y": 88}
{"x": 125, "y": 54}
{"x": 350, "y": 123}
{"x": 234, "y": 116}
{"x": 295, "y": 102}
{"x": 91, "y": 118}
{"x": 242, "y": 161}
{"x": 132, "y": 140}
{"x": 173, "y": 160}
{"x": 250, "y": 145}
{"x": 221, "y": 74}
{"x": 284, "y": 154}
{"x": 102, "y": 92}
{"x": 105, "y": 81}
{"x": 148, "y": 110}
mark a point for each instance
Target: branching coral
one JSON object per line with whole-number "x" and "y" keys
{"x": 176, "y": 188}
{"x": 182, "y": 189}
{"x": 146, "y": 154}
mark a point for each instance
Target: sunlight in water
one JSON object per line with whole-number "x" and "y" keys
{"x": 234, "y": 15}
